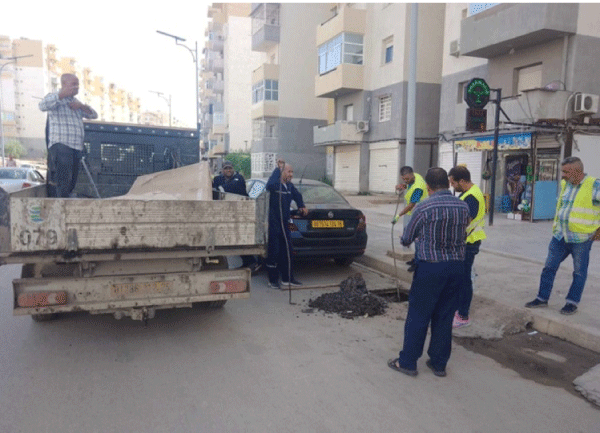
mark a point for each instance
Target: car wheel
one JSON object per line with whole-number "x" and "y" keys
{"x": 343, "y": 261}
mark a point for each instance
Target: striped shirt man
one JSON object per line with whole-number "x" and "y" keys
{"x": 561, "y": 228}
{"x": 65, "y": 124}
{"x": 439, "y": 223}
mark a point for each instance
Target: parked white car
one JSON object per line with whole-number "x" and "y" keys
{"x": 16, "y": 178}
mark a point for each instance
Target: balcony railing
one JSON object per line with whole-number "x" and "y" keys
{"x": 342, "y": 131}
{"x": 346, "y": 78}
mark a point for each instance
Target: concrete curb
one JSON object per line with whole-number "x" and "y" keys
{"x": 581, "y": 335}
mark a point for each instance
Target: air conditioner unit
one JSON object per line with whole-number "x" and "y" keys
{"x": 586, "y": 103}
{"x": 454, "y": 48}
{"x": 362, "y": 125}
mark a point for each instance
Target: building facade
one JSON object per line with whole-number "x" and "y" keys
{"x": 284, "y": 106}
{"x": 541, "y": 56}
{"x": 363, "y": 69}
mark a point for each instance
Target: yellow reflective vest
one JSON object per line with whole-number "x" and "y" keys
{"x": 475, "y": 228}
{"x": 418, "y": 183}
{"x": 584, "y": 216}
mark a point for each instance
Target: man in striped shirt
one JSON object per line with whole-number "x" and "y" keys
{"x": 65, "y": 135}
{"x": 440, "y": 224}
{"x": 576, "y": 226}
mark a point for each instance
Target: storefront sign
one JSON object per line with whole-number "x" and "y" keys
{"x": 505, "y": 142}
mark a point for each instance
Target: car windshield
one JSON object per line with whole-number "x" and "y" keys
{"x": 320, "y": 194}
{"x": 13, "y": 174}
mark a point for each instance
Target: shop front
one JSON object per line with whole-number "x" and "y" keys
{"x": 527, "y": 172}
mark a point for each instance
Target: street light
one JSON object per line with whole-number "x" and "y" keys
{"x": 194, "y": 53}
{"x": 162, "y": 95}
{"x": 11, "y": 61}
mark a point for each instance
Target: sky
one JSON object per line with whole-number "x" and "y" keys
{"x": 118, "y": 40}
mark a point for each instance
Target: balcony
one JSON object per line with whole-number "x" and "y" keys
{"x": 266, "y": 71}
{"x": 265, "y": 38}
{"x": 215, "y": 44}
{"x": 213, "y": 27}
{"x": 219, "y": 123}
{"x": 265, "y": 144}
{"x": 496, "y": 31}
{"x": 346, "y": 78}
{"x": 265, "y": 109}
{"x": 530, "y": 106}
{"x": 347, "y": 20}
{"x": 216, "y": 65}
{"x": 218, "y": 86}
{"x": 342, "y": 131}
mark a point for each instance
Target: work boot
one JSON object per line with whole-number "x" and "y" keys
{"x": 568, "y": 309}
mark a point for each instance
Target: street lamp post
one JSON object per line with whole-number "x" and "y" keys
{"x": 162, "y": 95}
{"x": 194, "y": 53}
{"x": 11, "y": 60}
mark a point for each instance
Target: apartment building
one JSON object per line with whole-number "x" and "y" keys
{"x": 225, "y": 80}
{"x": 284, "y": 106}
{"x": 27, "y": 81}
{"x": 363, "y": 68}
{"x": 543, "y": 58}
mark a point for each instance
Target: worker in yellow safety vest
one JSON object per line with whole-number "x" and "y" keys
{"x": 460, "y": 180}
{"x": 416, "y": 191}
{"x": 576, "y": 226}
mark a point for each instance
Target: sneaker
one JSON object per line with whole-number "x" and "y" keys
{"x": 459, "y": 322}
{"x": 536, "y": 303}
{"x": 438, "y": 373}
{"x": 568, "y": 309}
{"x": 293, "y": 283}
{"x": 274, "y": 285}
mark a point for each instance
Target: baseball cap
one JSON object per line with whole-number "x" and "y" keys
{"x": 227, "y": 164}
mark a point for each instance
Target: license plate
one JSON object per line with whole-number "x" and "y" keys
{"x": 132, "y": 289}
{"x": 327, "y": 224}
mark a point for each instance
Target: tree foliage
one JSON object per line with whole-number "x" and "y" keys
{"x": 14, "y": 148}
{"x": 241, "y": 162}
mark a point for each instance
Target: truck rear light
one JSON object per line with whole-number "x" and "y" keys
{"x": 41, "y": 299}
{"x": 229, "y": 286}
{"x": 362, "y": 223}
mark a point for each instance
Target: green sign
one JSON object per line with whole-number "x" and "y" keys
{"x": 477, "y": 93}
{"x": 476, "y": 119}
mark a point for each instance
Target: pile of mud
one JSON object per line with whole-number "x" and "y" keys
{"x": 351, "y": 301}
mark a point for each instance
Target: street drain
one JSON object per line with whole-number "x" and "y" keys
{"x": 352, "y": 300}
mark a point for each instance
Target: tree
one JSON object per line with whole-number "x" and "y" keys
{"x": 14, "y": 148}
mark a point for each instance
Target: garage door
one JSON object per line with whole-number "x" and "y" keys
{"x": 347, "y": 163}
{"x": 473, "y": 161}
{"x": 383, "y": 167}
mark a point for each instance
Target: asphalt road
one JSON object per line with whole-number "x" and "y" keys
{"x": 257, "y": 365}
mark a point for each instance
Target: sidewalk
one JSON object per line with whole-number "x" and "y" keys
{"x": 508, "y": 270}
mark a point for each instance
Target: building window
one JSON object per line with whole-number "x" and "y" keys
{"x": 385, "y": 108}
{"x": 388, "y": 50}
{"x": 344, "y": 48}
{"x": 527, "y": 77}
{"x": 349, "y": 112}
{"x": 460, "y": 96}
{"x": 266, "y": 128}
{"x": 265, "y": 90}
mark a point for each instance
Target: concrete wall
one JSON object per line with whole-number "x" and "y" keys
{"x": 587, "y": 147}
{"x": 583, "y": 73}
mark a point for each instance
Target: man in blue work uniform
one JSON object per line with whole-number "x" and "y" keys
{"x": 440, "y": 223}
{"x": 279, "y": 257}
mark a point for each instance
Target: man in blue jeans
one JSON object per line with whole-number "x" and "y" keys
{"x": 576, "y": 226}
{"x": 440, "y": 223}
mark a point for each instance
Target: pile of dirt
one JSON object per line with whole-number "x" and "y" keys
{"x": 351, "y": 301}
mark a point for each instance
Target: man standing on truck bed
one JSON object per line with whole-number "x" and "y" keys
{"x": 65, "y": 135}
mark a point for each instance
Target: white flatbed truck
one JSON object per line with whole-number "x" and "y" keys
{"x": 127, "y": 257}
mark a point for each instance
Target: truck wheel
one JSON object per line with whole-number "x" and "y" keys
{"x": 343, "y": 261}
{"x": 44, "y": 317}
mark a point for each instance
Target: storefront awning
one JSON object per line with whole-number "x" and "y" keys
{"x": 505, "y": 142}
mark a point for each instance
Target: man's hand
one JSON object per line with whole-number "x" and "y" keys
{"x": 280, "y": 163}
{"x": 303, "y": 211}
{"x": 597, "y": 235}
{"x": 76, "y": 105}
{"x": 395, "y": 220}
{"x": 401, "y": 187}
